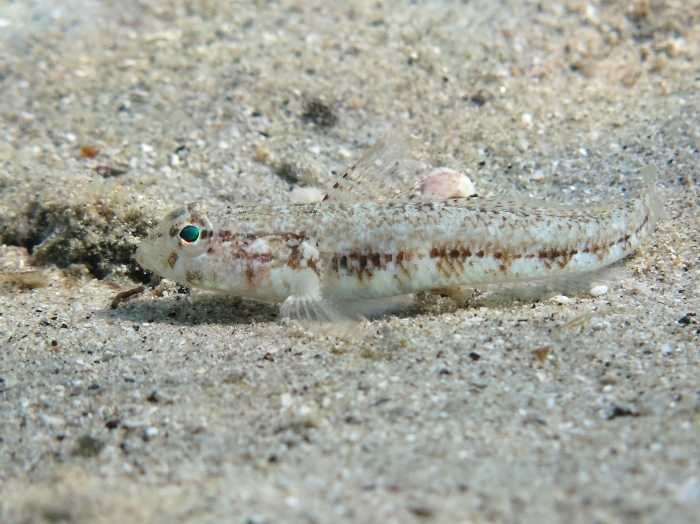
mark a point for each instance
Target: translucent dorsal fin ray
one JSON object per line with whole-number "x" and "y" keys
{"x": 383, "y": 172}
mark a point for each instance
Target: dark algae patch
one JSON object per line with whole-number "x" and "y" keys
{"x": 319, "y": 113}
{"x": 88, "y": 221}
{"x": 88, "y": 446}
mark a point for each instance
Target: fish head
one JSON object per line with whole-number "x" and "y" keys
{"x": 172, "y": 247}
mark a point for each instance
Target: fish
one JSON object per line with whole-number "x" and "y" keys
{"x": 366, "y": 247}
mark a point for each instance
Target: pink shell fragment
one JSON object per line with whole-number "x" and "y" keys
{"x": 444, "y": 182}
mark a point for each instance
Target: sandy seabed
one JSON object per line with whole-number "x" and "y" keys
{"x": 183, "y": 406}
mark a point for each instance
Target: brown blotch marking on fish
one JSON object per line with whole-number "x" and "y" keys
{"x": 225, "y": 236}
{"x": 294, "y": 260}
{"x": 250, "y": 276}
{"x": 480, "y": 254}
{"x": 363, "y": 262}
{"x": 442, "y": 269}
{"x": 376, "y": 260}
{"x": 311, "y": 264}
{"x": 388, "y": 258}
{"x": 194, "y": 276}
{"x": 172, "y": 259}
{"x": 400, "y": 257}
{"x": 174, "y": 230}
{"x": 454, "y": 253}
{"x": 263, "y": 258}
{"x": 555, "y": 254}
{"x": 295, "y": 257}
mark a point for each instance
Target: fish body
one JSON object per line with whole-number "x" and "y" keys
{"x": 316, "y": 258}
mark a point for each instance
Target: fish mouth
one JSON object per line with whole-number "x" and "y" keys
{"x": 140, "y": 259}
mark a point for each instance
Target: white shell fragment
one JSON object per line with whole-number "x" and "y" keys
{"x": 306, "y": 195}
{"x": 561, "y": 299}
{"x": 597, "y": 291}
{"x": 444, "y": 182}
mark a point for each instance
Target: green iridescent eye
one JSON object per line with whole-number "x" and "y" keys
{"x": 189, "y": 234}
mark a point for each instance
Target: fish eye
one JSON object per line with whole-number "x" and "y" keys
{"x": 189, "y": 234}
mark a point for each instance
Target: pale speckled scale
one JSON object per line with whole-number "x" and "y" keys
{"x": 317, "y": 257}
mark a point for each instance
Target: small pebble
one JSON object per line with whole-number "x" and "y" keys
{"x": 288, "y": 172}
{"x": 89, "y": 151}
{"x": 285, "y": 400}
{"x": 444, "y": 182}
{"x": 306, "y": 195}
{"x": 8, "y": 380}
{"x": 261, "y": 153}
{"x": 479, "y": 98}
{"x": 49, "y": 420}
{"x": 108, "y": 171}
{"x": 561, "y": 299}
{"x": 597, "y": 291}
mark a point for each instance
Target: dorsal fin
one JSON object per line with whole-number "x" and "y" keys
{"x": 381, "y": 173}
